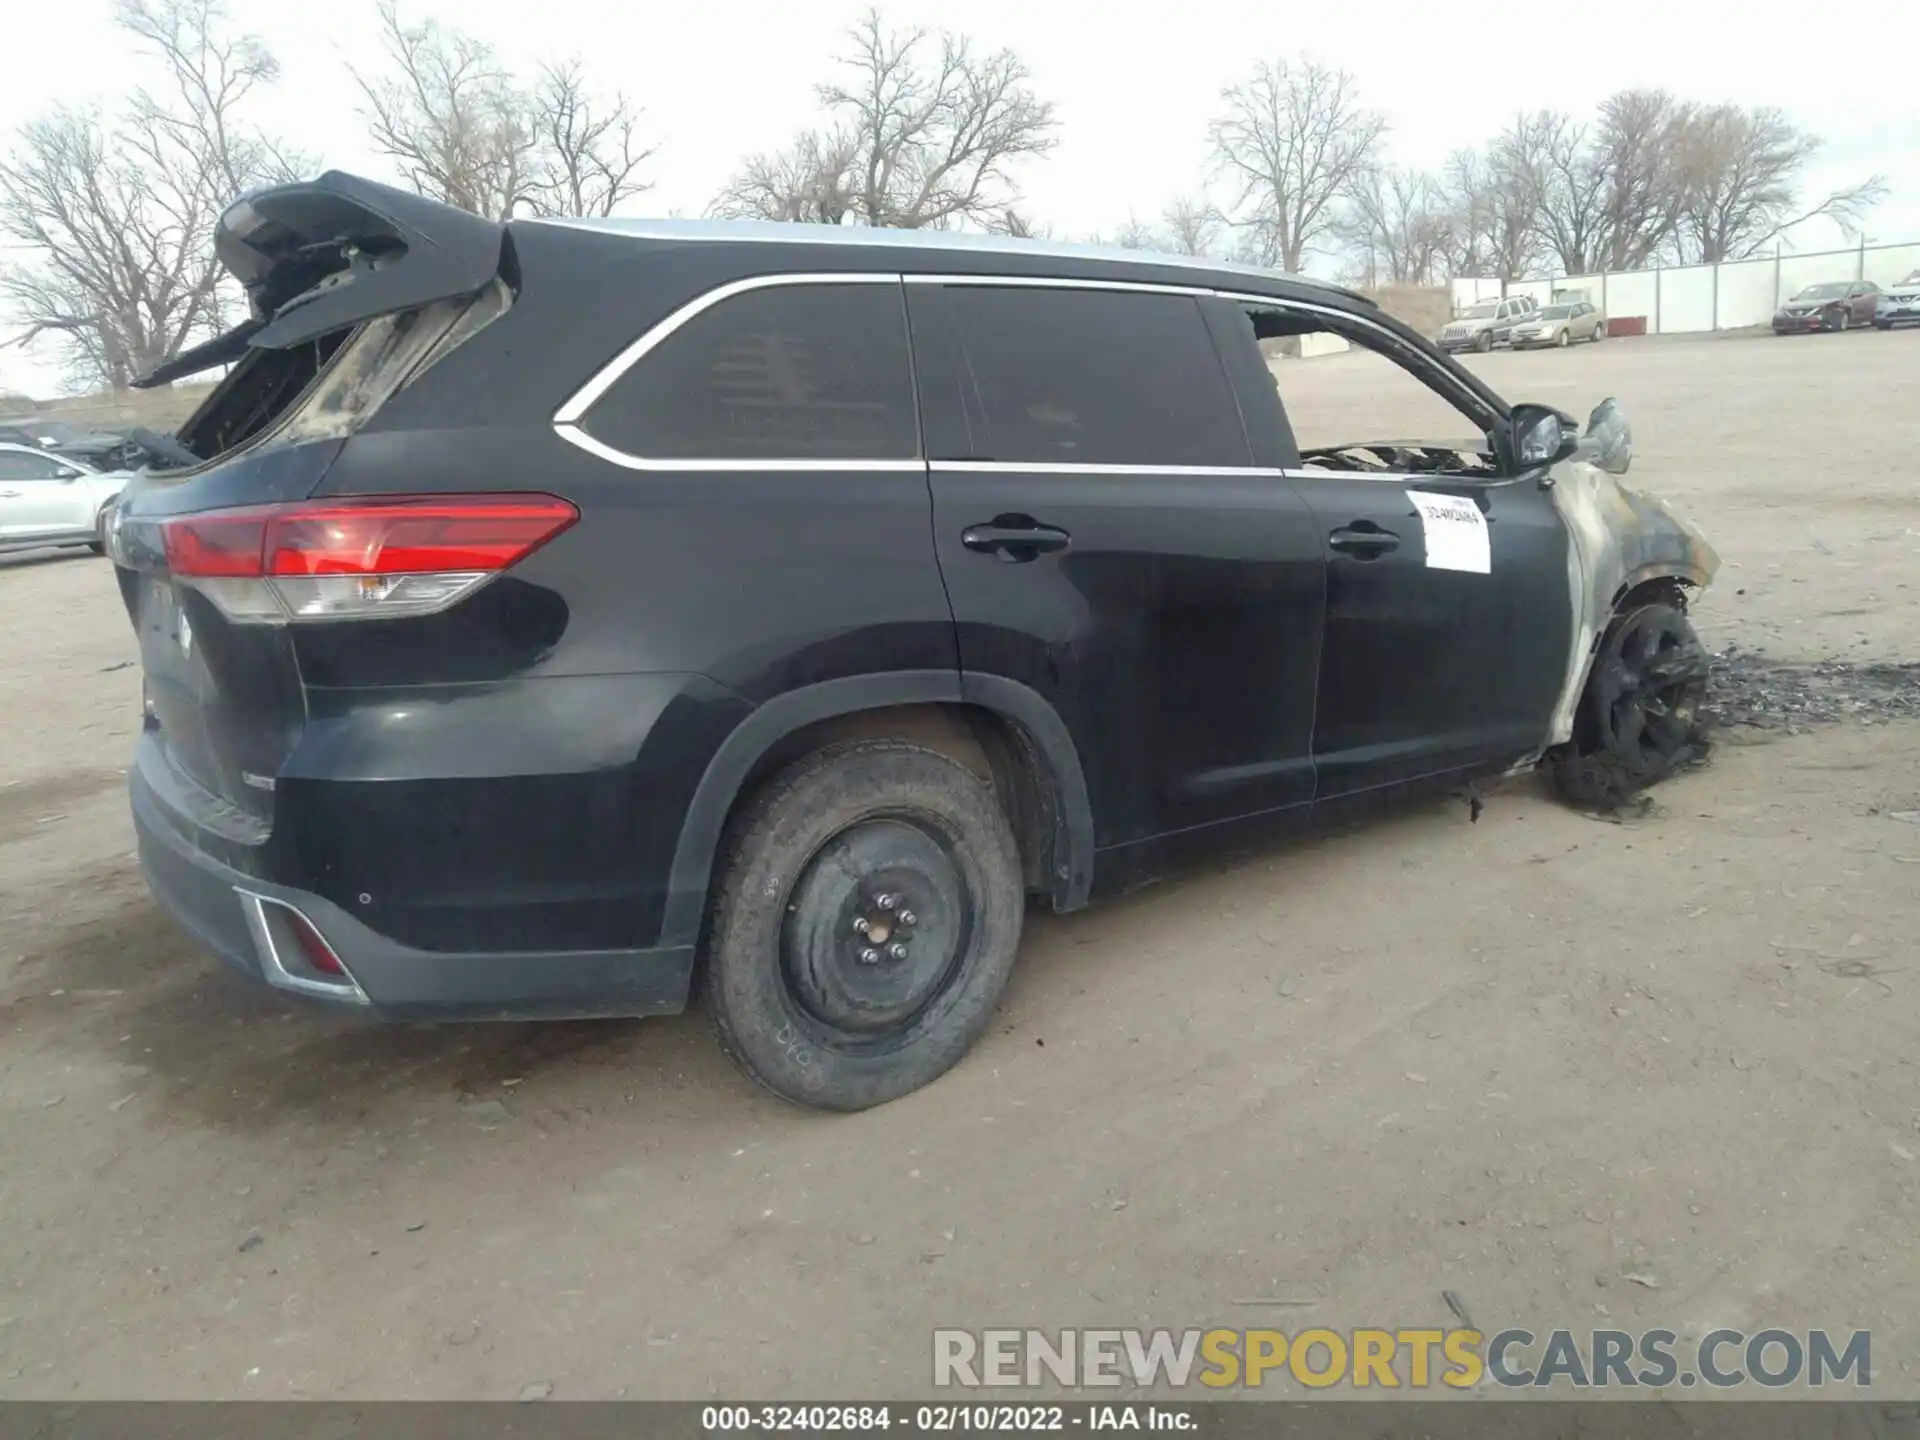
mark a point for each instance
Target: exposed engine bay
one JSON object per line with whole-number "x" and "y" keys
{"x": 1402, "y": 458}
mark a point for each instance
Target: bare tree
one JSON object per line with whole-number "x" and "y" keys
{"x": 1740, "y": 171}
{"x": 463, "y": 129}
{"x": 1017, "y": 224}
{"x": 1136, "y": 234}
{"x": 1192, "y": 226}
{"x": 811, "y": 181}
{"x": 1295, "y": 137}
{"x": 118, "y": 210}
{"x": 923, "y": 134}
{"x": 588, "y": 152}
{"x": 1397, "y": 225}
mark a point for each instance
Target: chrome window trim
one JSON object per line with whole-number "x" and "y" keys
{"x": 1021, "y": 467}
{"x": 566, "y": 420}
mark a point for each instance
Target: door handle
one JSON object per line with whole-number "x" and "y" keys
{"x": 1014, "y": 538}
{"x": 1363, "y": 540}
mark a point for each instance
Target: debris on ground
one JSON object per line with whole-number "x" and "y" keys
{"x": 1748, "y": 690}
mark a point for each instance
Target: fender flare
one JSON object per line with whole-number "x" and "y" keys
{"x": 694, "y": 854}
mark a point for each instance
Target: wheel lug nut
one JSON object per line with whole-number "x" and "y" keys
{"x": 869, "y": 956}
{"x": 860, "y": 926}
{"x": 906, "y": 917}
{"x": 897, "y": 950}
{"x": 887, "y": 902}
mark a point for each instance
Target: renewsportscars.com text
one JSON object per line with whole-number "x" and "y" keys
{"x": 1414, "y": 1359}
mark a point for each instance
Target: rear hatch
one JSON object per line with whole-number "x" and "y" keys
{"x": 354, "y": 289}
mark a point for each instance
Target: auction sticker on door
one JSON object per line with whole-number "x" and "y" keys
{"x": 1456, "y": 533}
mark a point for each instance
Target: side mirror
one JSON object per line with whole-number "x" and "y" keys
{"x": 1610, "y": 437}
{"x": 66, "y": 476}
{"x": 1533, "y": 436}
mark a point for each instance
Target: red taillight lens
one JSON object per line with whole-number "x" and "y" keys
{"x": 358, "y": 558}
{"x": 402, "y": 535}
{"x": 314, "y": 947}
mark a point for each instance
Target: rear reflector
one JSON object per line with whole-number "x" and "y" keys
{"x": 358, "y": 558}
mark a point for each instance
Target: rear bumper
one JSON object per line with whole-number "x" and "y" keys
{"x": 241, "y": 919}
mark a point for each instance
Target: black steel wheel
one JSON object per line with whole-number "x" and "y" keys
{"x": 1640, "y": 717}
{"x": 866, "y": 924}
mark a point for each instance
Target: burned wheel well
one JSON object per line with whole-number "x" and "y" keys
{"x": 1674, "y": 590}
{"x": 994, "y": 747}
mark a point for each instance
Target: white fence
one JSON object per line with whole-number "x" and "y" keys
{"x": 1685, "y": 298}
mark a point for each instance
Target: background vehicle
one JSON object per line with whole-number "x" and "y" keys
{"x": 1898, "y": 304}
{"x": 1482, "y": 326}
{"x": 1561, "y": 323}
{"x": 1836, "y": 305}
{"x": 843, "y": 620}
{"x": 47, "y": 499}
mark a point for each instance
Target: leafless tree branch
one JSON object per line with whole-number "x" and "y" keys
{"x": 924, "y": 133}
{"x": 117, "y": 210}
{"x": 1295, "y": 138}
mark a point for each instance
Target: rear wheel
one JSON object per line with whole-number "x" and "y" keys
{"x": 1639, "y": 719}
{"x": 865, "y": 926}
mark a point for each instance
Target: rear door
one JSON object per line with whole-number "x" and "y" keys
{"x": 1107, "y": 541}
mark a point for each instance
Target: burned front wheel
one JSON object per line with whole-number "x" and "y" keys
{"x": 1640, "y": 717}
{"x": 866, "y": 924}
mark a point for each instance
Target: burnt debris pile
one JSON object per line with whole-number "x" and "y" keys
{"x": 1750, "y": 691}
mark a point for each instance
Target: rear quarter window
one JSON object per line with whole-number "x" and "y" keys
{"x": 805, "y": 372}
{"x": 1094, "y": 377}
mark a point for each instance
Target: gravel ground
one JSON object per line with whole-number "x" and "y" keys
{"x": 1652, "y": 1073}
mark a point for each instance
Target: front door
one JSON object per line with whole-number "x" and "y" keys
{"x": 1448, "y": 620}
{"x": 1448, "y": 605}
{"x": 1106, "y": 541}
{"x": 40, "y": 495}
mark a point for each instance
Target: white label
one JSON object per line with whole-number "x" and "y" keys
{"x": 1456, "y": 533}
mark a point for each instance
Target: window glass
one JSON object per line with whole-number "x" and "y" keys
{"x": 1096, "y": 377}
{"x": 803, "y": 372}
{"x": 14, "y": 465}
{"x": 1355, "y": 394}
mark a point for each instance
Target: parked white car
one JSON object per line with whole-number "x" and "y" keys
{"x": 48, "y": 499}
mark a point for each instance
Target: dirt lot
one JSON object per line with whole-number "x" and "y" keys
{"x": 1578, "y": 1073}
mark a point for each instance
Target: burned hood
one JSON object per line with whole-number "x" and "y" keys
{"x": 321, "y": 255}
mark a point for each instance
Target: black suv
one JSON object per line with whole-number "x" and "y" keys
{"x": 562, "y": 611}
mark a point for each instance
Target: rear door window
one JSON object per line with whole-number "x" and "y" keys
{"x": 786, "y": 372}
{"x": 1094, "y": 377}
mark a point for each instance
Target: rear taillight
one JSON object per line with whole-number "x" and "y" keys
{"x": 351, "y": 559}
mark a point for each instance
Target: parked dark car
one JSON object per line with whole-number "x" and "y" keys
{"x": 1898, "y": 304}
{"x": 104, "y": 450}
{"x": 565, "y": 611}
{"x": 1837, "y": 305}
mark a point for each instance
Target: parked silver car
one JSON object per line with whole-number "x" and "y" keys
{"x": 48, "y": 499}
{"x": 1562, "y": 323}
{"x": 1898, "y": 304}
{"x": 1487, "y": 324}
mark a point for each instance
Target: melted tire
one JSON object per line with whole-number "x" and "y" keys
{"x": 753, "y": 1001}
{"x": 1652, "y": 651}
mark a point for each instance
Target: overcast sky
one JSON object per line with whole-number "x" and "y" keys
{"x": 1134, "y": 87}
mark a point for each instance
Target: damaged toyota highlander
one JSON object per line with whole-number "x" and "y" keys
{"x": 569, "y": 618}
